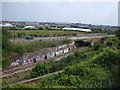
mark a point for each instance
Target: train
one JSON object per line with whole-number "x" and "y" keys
{"x": 60, "y": 50}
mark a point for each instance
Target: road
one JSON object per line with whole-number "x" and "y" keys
{"x": 39, "y": 39}
{"x": 61, "y": 38}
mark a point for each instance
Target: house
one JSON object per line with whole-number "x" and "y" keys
{"x": 29, "y": 27}
{"x": 93, "y": 41}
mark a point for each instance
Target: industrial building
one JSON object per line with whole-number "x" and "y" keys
{"x": 77, "y": 29}
{"x": 29, "y": 27}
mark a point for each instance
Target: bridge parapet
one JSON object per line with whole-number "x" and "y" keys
{"x": 88, "y": 38}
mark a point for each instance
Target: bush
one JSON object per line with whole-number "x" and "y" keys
{"x": 5, "y": 62}
{"x": 80, "y": 54}
{"x": 97, "y": 46}
{"x": 118, "y": 34}
{"x": 40, "y": 69}
{"x": 108, "y": 57}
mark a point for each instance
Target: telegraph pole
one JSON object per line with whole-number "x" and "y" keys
{"x": 14, "y": 35}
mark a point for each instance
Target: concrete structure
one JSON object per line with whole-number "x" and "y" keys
{"x": 90, "y": 34}
{"x": 89, "y": 37}
{"x": 87, "y": 41}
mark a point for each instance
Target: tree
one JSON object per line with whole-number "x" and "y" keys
{"x": 97, "y": 46}
{"x": 80, "y": 54}
{"x": 40, "y": 28}
{"x": 6, "y": 44}
{"x": 6, "y": 48}
{"x": 108, "y": 57}
{"x": 20, "y": 50}
{"x": 40, "y": 69}
{"x": 118, "y": 34}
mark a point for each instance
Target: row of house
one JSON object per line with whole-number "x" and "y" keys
{"x": 22, "y": 24}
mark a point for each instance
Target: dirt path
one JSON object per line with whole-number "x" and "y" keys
{"x": 35, "y": 79}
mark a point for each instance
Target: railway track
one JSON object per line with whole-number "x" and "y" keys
{"x": 13, "y": 71}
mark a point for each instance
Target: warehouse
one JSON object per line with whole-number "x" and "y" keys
{"x": 29, "y": 27}
{"x": 77, "y": 29}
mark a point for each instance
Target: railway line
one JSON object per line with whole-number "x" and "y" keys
{"x": 29, "y": 67}
{"x": 13, "y": 71}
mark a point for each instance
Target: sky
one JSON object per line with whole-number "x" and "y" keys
{"x": 98, "y": 13}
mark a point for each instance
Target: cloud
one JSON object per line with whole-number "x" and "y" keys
{"x": 86, "y": 12}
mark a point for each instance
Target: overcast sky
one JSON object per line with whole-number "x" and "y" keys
{"x": 105, "y": 13}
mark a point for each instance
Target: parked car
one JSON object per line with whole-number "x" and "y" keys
{"x": 29, "y": 37}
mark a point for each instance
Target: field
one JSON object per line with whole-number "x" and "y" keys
{"x": 42, "y": 33}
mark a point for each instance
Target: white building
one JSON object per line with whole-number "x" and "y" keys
{"x": 29, "y": 27}
{"x": 77, "y": 29}
{"x": 6, "y": 25}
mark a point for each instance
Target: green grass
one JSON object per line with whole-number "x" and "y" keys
{"x": 45, "y": 33}
{"x": 15, "y": 78}
{"x": 38, "y": 45}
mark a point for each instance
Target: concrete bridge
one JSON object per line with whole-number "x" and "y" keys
{"x": 88, "y": 38}
{"x": 91, "y": 40}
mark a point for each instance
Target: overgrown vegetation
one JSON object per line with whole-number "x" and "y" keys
{"x": 102, "y": 31}
{"x": 36, "y": 45}
{"x": 15, "y": 78}
{"x": 53, "y": 66}
{"x": 118, "y": 33}
{"x": 6, "y": 48}
{"x": 86, "y": 74}
{"x": 98, "y": 67}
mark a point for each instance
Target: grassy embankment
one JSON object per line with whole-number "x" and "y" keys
{"x": 21, "y": 48}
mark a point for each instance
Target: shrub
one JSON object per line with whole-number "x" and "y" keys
{"x": 108, "y": 57}
{"x": 97, "y": 46}
{"x": 40, "y": 69}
